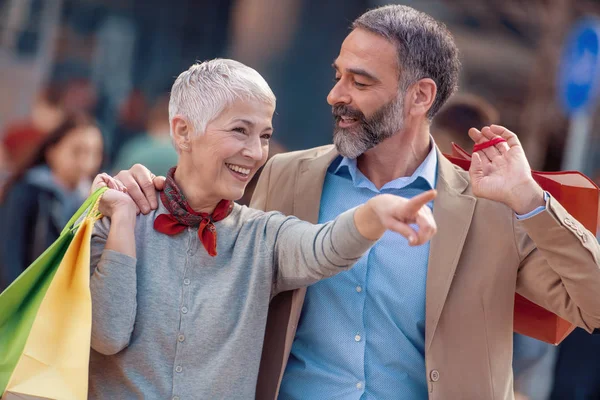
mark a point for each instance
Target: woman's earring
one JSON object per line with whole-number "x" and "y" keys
{"x": 185, "y": 147}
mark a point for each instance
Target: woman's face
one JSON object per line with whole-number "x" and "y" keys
{"x": 77, "y": 156}
{"x": 234, "y": 146}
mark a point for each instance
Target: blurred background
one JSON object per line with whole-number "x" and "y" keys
{"x": 115, "y": 60}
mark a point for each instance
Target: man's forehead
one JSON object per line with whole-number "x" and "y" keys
{"x": 367, "y": 50}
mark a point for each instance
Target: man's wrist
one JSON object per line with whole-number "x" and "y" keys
{"x": 528, "y": 197}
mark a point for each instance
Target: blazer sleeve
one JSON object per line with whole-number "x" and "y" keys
{"x": 559, "y": 267}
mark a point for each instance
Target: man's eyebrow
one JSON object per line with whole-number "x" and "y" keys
{"x": 357, "y": 71}
{"x": 362, "y": 72}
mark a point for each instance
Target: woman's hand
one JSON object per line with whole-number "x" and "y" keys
{"x": 390, "y": 212}
{"x": 116, "y": 204}
{"x": 115, "y": 201}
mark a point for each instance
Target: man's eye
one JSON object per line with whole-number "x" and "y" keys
{"x": 266, "y": 136}
{"x": 360, "y": 85}
{"x": 336, "y": 79}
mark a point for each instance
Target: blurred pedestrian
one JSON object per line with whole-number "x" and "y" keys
{"x": 461, "y": 113}
{"x": 153, "y": 148}
{"x": 41, "y": 196}
{"x": 21, "y": 137}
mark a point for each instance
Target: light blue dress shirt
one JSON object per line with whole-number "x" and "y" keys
{"x": 361, "y": 334}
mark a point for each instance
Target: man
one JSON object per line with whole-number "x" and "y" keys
{"x": 439, "y": 327}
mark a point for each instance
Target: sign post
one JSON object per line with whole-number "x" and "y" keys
{"x": 579, "y": 83}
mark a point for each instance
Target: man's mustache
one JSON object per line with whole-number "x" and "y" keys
{"x": 339, "y": 111}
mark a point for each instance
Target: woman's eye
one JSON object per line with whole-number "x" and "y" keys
{"x": 240, "y": 130}
{"x": 266, "y": 136}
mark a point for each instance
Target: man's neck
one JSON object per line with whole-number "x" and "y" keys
{"x": 396, "y": 157}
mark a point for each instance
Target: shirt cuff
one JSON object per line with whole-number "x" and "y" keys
{"x": 537, "y": 210}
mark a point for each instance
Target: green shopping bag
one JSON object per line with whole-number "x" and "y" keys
{"x": 20, "y": 302}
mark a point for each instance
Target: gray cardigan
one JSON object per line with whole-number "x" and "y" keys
{"x": 179, "y": 324}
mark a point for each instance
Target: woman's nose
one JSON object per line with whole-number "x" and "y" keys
{"x": 254, "y": 149}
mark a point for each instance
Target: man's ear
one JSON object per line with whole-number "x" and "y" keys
{"x": 181, "y": 133}
{"x": 421, "y": 96}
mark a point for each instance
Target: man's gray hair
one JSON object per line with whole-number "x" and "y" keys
{"x": 426, "y": 48}
{"x": 202, "y": 92}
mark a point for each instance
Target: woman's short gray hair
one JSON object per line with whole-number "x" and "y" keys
{"x": 425, "y": 47}
{"x": 202, "y": 92}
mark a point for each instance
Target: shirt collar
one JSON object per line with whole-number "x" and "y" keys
{"x": 426, "y": 173}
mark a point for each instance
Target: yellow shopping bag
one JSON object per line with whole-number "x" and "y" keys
{"x": 55, "y": 361}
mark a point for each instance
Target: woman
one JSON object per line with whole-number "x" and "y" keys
{"x": 41, "y": 197}
{"x": 180, "y": 296}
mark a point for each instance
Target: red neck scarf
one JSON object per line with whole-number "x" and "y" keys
{"x": 181, "y": 215}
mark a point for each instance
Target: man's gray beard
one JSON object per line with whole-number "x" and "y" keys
{"x": 389, "y": 119}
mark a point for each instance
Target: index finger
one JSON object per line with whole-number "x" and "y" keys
{"x": 510, "y": 137}
{"x": 145, "y": 179}
{"x": 413, "y": 205}
{"x": 134, "y": 190}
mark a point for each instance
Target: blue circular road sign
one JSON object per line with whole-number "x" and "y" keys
{"x": 579, "y": 72}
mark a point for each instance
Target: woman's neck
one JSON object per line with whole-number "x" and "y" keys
{"x": 194, "y": 189}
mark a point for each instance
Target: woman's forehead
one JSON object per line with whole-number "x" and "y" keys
{"x": 252, "y": 112}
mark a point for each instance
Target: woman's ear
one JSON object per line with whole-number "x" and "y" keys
{"x": 181, "y": 133}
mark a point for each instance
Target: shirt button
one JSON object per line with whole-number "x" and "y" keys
{"x": 357, "y": 338}
{"x": 359, "y": 289}
{"x": 186, "y": 281}
{"x": 434, "y": 375}
{"x": 181, "y": 338}
{"x": 184, "y": 310}
{"x": 178, "y": 368}
{"x": 359, "y": 385}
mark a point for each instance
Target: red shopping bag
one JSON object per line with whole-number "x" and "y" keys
{"x": 579, "y": 195}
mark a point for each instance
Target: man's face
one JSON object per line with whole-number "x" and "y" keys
{"x": 366, "y": 105}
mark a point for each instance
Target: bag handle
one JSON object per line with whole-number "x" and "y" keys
{"x": 90, "y": 203}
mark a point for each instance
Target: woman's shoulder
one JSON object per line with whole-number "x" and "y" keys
{"x": 252, "y": 217}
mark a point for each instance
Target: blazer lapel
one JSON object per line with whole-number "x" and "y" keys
{"x": 453, "y": 212}
{"x": 309, "y": 187}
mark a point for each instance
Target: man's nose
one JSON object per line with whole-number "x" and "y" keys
{"x": 338, "y": 95}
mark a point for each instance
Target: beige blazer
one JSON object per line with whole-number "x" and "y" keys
{"x": 480, "y": 256}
